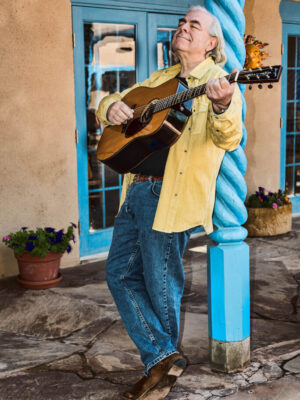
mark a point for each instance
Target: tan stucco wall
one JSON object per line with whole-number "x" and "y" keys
{"x": 38, "y": 183}
{"x": 263, "y": 106}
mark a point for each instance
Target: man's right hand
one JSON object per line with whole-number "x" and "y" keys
{"x": 118, "y": 113}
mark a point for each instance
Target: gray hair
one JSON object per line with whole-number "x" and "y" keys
{"x": 215, "y": 30}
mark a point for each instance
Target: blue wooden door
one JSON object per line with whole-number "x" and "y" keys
{"x": 290, "y": 131}
{"x": 113, "y": 50}
{"x": 290, "y": 163}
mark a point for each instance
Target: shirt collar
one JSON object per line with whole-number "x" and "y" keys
{"x": 202, "y": 68}
{"x": 173, "y": 70}
{"x": 197, "y": 72}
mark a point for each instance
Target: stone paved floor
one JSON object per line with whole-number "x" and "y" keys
{"x": 68, "y": 342}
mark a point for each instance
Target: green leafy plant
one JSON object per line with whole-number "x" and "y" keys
{"x": 40, "y": 241}
{"x": 263, "y": 198}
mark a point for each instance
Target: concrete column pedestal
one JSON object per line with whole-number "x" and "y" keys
{"x": 229, "y": 357}
{"x": 229, "y": 306}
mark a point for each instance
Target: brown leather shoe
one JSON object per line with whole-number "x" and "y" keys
{"x": 162, "y": 389}
{"x": 173, "y": 365}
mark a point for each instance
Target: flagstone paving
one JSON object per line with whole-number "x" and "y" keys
{"x": 69, "y": 343}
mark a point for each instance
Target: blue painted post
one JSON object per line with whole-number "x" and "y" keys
{"x": 228, "y": 262}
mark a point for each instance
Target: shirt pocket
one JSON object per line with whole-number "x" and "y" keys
{"x": 199, "y": 118}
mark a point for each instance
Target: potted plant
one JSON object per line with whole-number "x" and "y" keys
{"x": 269, "y": 213}
{"x": 38, "y": 253}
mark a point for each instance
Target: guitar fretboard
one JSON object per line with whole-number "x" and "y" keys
{"x": 186, "y": 95}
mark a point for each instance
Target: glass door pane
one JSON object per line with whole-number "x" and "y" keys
{"x": 109, "y": 55}
{"x": 165, "y": 57}
{"x": 161, "y": 30}
{"x": 110, "y": 66}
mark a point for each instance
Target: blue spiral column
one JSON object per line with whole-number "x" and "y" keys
{"x": 228, "y": 262}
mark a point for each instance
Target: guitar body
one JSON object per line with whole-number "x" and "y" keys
{"x": 123, "y": 147}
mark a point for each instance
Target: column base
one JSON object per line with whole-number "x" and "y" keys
{"x": 229, "y": 357}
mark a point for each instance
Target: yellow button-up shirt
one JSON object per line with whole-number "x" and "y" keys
{"x": 188, "y": 190}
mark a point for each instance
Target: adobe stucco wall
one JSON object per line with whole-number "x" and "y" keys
{"x": 263, "y": 106}
{"x": 38, "y": 183}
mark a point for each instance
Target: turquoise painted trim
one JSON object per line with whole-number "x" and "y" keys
{"x": 161, "y": 6}
{"x": 290, "y": 14}
{"x": 229, "y": 295}
{"x": 98, "y": 241}
{"x": 295, "y": 200}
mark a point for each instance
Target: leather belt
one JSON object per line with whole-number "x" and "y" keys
{"x": 144, "y": 178}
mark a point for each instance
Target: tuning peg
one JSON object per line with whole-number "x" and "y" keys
{"x": 260, "y": 86}
{"x": 250, "y": 87}
{"x": 270, "y": 86}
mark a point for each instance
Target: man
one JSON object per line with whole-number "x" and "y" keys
{"x": 166, "y": 197}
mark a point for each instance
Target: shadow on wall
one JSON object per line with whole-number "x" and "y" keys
{"x": 8, "y": 263}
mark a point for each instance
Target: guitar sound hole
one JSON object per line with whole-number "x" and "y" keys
{"x": 148, "y": 112}
{"x": 133, "y": 127}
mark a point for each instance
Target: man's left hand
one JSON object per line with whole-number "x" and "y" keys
{"x": 219, "y": 92}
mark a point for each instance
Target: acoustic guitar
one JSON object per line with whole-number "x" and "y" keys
{"x": 160, "y": 115}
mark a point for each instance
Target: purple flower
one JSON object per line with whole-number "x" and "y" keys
{"x": 69, "y": 248}
{"x": 29, "y": 246}
{"x": 52, "y": 241}
{"x": 49, "y": 230}
{"x": 59, "y": 236}
{"x": 261, "y": 189}
{"x": 24, "y": 228}
{"x": 6, "y": 238}
{"x": 32, "y": 237}
{"x": 274, "y": 205}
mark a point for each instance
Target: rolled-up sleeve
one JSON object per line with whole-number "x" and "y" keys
{"x": 226, "y": 129}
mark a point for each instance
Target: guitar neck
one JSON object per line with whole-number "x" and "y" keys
{"x": 251, "y": 76}
{"x": 186, "y": 95}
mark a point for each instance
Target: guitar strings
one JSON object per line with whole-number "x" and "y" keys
{"x": 191, "y": 93}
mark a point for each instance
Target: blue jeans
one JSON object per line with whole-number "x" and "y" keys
{"x": 145, "y": 274}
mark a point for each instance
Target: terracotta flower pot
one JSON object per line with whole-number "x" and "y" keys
{"x": 39, "y": 272}
{"x": 269, "y": 221}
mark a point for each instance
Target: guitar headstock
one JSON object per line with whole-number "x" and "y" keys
{"x": 260, "y": 75}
